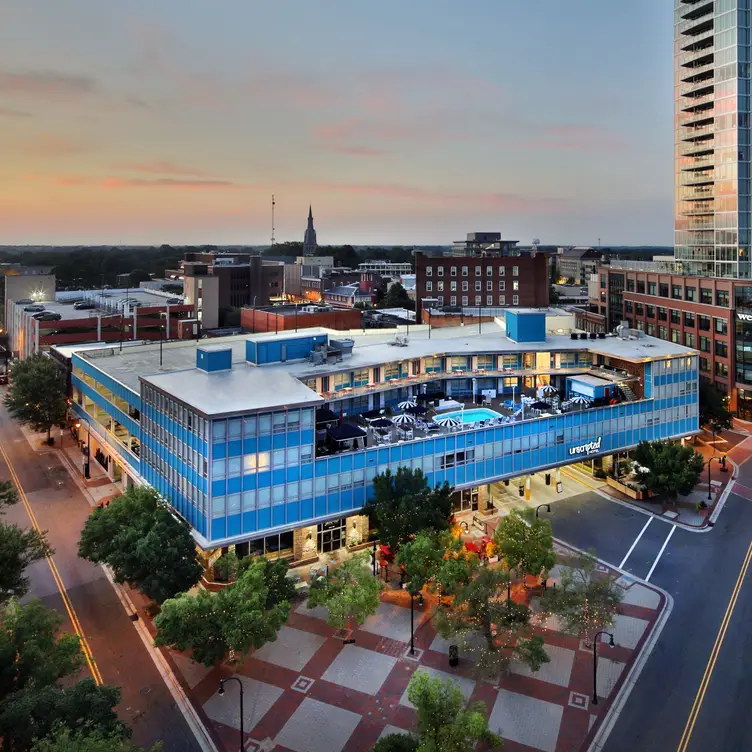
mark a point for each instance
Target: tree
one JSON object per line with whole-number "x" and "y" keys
{"x": 243, "y": 616}
{"x": 143, "y": 541}
{"x": 585, "y": 600}
{"x": 63, "y": 739}
{"x": 666, "y": 468}
{"x": 397, "y": 297}
{"x": 403, "y": 505}
{"x": 482, "y": 610}
{"x": 18, "y": 549}
{"x": 446, "y": 723}
{"x": 553, "y": 295}
{"x": 525, "y": 542}
{"x": 139, "y": 275}
{"x": 37, "y": 393}
{"x": 397, "y": 743}
{"x": 713, "y": 411}
{"x": 350, "y": 593}
{"x": 35, "y": 657}
{"x": 421, "y": 559}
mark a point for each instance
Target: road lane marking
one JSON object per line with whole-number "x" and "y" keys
{"x": 91, "y": 662}
{"x": 660, "y": 553}
{"x": 700, "y": 696}
{"x": 636, "y": 541}
{"x": 578, "y": 480}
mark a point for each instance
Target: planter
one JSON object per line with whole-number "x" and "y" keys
{"x": 626, "y": 490}
{"x": 360, "y": 546}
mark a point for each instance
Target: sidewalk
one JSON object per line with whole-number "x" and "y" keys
{"x": 98, "y": 488}
{"x": 735, "y": 445}
{"x": 308, "y": 692}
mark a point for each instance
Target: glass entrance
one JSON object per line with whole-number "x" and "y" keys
{"x": 331, "y": 536}
{"x": 466, "y": 500}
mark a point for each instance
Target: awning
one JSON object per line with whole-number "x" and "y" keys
{"x": 325, "y": 415}
{"x": 346, "y": 432}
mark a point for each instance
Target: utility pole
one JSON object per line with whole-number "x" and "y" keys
{"x": 273, "y": 202}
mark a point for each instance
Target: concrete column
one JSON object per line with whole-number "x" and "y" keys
{"x": 304, "y": 543}
{"x": 485, "y": 500}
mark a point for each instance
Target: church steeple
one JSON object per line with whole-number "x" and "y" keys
{"x": 309, "y": 239}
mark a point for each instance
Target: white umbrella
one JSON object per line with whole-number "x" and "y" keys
{"x": 547, "y": 389}
{"x": 409, "y": 402}
{"x": 447, "y": 420}
{"x": 578, "y": 399}
{"x": 403, "y": 419}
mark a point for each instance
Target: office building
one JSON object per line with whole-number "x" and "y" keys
{"x": 483, "y": 243}
{"x": 263, "y": 442}
{"x": 475, "y": 281}
{"x": 577, "y": 264}
{"x": 712, "y": 127}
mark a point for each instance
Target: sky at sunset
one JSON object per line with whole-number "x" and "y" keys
{"x": 173, "y": 121}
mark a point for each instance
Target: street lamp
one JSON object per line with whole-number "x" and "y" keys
{"x": 373, "y": 558}
{"x": 595, "y": 662}
{"x": 722, "y": 462}
{"x": 222, "y": 691}
{"x": 540, "y": 506}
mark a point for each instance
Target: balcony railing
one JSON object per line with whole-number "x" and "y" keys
{"x": 687, "y": 118}
{"x": 693, "y": 102}
{"x": 698, "y": 70}
{"x": 688, "y": 24}
{"x": 699, "y": 131}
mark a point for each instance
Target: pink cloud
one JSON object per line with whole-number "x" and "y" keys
{"x": 51, "y": 146}
{"x": 359, "y": 151}
{"x": 11, "y": 113}
{"x": 45, "y": 83}
{"x": 114, "y": 183}
{"x": 160, "y": 167}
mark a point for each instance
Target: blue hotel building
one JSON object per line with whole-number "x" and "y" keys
{"x": 234, "y": 433}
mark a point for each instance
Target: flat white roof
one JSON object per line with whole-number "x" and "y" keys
{"x": 592, "y": 380}
{"x": 249, "y": 387}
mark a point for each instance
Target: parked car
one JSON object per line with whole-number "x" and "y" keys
{"x": 34, "y": 308}
{"x": 83, "y": 305}
{"x": 48, "y": 316}
{"x": 174, "y": 301}
{"x": 24, "y": 301}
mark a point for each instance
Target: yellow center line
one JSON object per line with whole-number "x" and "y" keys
{"x": 700, "y": 696}
{"x": 88, "y": 655}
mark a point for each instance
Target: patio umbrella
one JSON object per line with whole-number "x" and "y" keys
{"x": 547, "y": 389}
{"x": 409, "y": 402}
{"x": 324, "y": 415}
{"x": 404, "y": 419}
{"x": 417, "y": 410}
{"x": 381, "y": 423}
{"x": 578, "y": 399}
{"x": 540, "y": 406}
{"x": 447, "y": 420}
{"x": 345, "y": 432}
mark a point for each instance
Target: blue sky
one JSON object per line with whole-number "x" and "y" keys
{"x": 400, "y": 122}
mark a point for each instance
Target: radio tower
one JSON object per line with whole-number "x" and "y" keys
{"x": 272, "y": 220}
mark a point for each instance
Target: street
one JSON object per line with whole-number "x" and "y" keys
{"x": 118, "y": 654}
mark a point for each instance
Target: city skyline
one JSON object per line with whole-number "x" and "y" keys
{"x": 399, "y": 125}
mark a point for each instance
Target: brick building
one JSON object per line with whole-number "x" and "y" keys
{"x": 482, "y": 280}
{"x": 711, "y": 315}
{"x": 286, "y": 318}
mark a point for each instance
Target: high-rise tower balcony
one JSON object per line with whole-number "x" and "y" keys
{"x": 693, "y": 27}
{"x": 704, "y": 177}
{"x": 698, "y": 103}
{"x": 693, "y": 89}
{"x": 697, "y": 133}
{"x": 703, "y": 42}
{"x": 697, "y": 58}
{"x": 698, "y": 73}
{"x": 703, "y": 117}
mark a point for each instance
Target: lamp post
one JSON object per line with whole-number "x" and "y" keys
{"x": 595, "y": 662}
{"x": 222, "y": 691}
{"x": 722, "y": 462}
{"x": 373, "y": 558}
{"x": 540, "y": 506}
{"x": 412, "y": 624}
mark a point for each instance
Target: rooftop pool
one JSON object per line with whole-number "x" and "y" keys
{"x": 473, "y": 415}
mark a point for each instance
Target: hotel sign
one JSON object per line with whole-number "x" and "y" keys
{"x": 592, "y": 447}
{"x": 744, "y": 316}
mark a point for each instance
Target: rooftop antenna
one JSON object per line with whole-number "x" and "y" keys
{"x": 273, "y": 220}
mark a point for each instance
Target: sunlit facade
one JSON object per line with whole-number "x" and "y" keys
{"x": 712, "y": 127}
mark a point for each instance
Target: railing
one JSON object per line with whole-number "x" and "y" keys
{"x": 700, "y": 130}
{"x": 688, "y": 23}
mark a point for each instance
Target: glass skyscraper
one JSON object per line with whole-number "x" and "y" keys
{"x": 712, "y": 126}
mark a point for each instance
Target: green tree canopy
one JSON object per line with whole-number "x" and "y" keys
{"x": 397, "y": 297}
{"x": 585, "y": 600}
{"x": 404, "y": 505}
{"x": 525, "y": 542}
{"x": 397, "y": 743}
{"x": 144, "y": 542}
{"x": 138, "y": 276}
{"x": 243, "y": 616}
{"x": 350, "y": 593}
{"x": 422, "y": 558}
{"x": 667, "y": 468}
{"x": 713, "y": 410}
{"x": 63, "y": 739}
{"x": 553, "y": 295}
{"x": 35, "y": 659}
{"x": 491, "y": 628}
{"x": 446, "y": 722}
{"x": 37, "y": 393}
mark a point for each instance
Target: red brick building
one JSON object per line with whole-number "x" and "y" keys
{"x": 705, "y": 313}
{"x": 284, "y": 318}
{"x": 512, "y": 281}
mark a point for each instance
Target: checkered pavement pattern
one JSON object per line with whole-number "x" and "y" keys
{"x": 310, "y": 692}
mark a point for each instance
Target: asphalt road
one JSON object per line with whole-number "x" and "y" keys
{"x": 60, "y": 508}
{"x": 700, "y": 571}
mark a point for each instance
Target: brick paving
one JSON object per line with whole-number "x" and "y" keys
{"x": 309, "y": 692}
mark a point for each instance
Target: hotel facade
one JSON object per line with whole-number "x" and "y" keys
{"x": 265, "y": 442}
